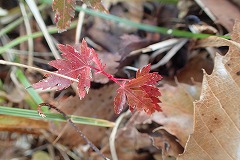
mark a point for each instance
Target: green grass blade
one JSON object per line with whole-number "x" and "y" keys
{"x": 146, "y": 27}
{"x": 34, "y": 35}
{"x": 54, "y": 117}
{"x": 17, "y": 22}
{"x": 35, "y": 96}
{"x": 50, "y": 116}
{"x": 167, "y": 1}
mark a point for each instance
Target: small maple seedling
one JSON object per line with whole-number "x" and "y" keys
{"x": 139, "y": 93}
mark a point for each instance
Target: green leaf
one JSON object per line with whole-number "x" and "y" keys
{"x": 55, "y": 117}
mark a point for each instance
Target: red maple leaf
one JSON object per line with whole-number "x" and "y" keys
{"x": 140, "y": 92}
{"x": 77, "y": 65}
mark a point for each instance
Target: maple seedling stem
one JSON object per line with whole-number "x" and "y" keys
{"x": 109, "y": 76}
{"x": 122, "y": 79}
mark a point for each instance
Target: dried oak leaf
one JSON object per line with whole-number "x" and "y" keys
{"x": 217, "y": 123}
{"x": 177, "y": 115}
{"x": 140, "y": 92}
{"x": 189, "y": 73}
{"x": 167, "y": 143}
{"x": 224, "y": 13}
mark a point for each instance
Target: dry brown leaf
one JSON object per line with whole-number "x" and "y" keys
{"x": 104, "y": 38}
{"x": 97, "y": 104}
{"x": 132, "y": 10}
{"x": 177, "y": 106}
{"x": 188, "y": 73}
{"x": 131, "y": 43}
{"x": 213, "y": 42}
{"x": 21, "y": 124}
{"x": 223, "y": 13}
{"x": 167, "y": 143}
{"x": 217, "y": 123}
{"x": 106, "y": 33}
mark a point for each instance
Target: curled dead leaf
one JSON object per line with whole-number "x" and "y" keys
{"x": 217, "y": 123}
{"x": 177, "y": 115}
{"x": 167, "y": 143}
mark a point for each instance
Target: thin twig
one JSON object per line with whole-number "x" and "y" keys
{"x": 73, "y": 125}
{"x": 60, "y": 134}
{"x": 37, "y": 69}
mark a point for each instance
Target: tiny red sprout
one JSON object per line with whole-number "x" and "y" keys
{"x": 139, "y": 93}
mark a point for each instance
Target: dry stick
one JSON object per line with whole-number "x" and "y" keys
{"x": 37, "y": 69}
{"x": 73, "y": 125}
{"x": 60, "y": 134}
